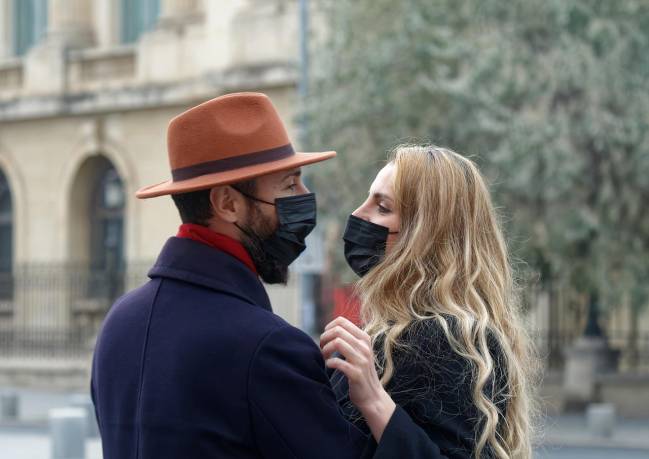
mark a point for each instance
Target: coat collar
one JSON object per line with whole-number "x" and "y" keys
{"x": 190, "y": 261}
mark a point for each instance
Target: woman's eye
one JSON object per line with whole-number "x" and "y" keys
{"x": 383, "y": 210}
{"x": 292, "y": 187}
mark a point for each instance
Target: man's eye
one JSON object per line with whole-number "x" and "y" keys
{"x": 383, "y": 210}
{"x": 292, "y": 187}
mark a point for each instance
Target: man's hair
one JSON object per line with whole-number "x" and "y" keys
{"x": 195, "y": 206}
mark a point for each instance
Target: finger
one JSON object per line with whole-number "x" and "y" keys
{"x": 339, "y": 321}
{"x": 346, "y": 350}
{"x": 334, "y": 322}
{"x": 361, "y": 347}
{"x": 341, "y": 332}
{"x": 353, "y": 329}
{"x": 349, "y": 370}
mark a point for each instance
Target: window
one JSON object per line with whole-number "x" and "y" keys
{"x": 6, "y": 240}
{"x": 107, "y": 235}
{"x": 30, "y": 23}
{"x": 138, "y": 16}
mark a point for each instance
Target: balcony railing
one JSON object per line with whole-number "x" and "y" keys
{"x": 56, "y": 311}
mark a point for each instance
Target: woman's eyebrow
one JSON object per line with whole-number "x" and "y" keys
{"x": 382, "y": 196}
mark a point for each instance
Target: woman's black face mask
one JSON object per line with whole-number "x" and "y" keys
{"x": 364, "y": 244}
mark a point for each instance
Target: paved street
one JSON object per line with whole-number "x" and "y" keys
{"x": 564, "y": 437}
{"x": 34, "y": 444}
{"x": 563, "y": 452}
{"x": 23, "y": 443}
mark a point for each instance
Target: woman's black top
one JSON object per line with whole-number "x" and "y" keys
{"x": 432, "y": 388}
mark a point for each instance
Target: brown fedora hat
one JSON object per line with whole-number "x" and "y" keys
{"x": 225, "y": 140}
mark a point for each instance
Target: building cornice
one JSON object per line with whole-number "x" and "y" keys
{"x": 148, "y": 96}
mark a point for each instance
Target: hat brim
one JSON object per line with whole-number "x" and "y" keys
{"x": 233, "y": 176}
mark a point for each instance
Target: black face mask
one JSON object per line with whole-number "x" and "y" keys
{"x": 364, "y": 244}
{"x": 297, "y": 218}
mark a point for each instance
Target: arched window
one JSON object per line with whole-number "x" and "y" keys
{"x": 137, "y": 16}
{"x": 6, "y": 239}
{"x": 30, "y": 23}
{"x": 107, "y": 233}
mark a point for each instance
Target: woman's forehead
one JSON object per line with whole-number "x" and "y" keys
{"x": 384, "y": 181}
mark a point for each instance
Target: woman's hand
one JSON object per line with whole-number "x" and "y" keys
{"x": 365, "y": 389}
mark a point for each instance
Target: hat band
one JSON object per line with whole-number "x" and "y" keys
{"x": 234, "y": 162}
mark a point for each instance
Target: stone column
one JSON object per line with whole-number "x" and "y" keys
{"x": 69, "y": 25}
{"x": 70, "y": 22}
{"x": 220, "y": 22}
{"x": 175, "y": 48}
{"x": 107, "y": 23}
{"x": 174, "y": 12}
{"x": 6, "y": 29}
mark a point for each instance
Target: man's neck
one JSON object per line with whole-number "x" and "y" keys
{"x": 226, "y": 228}
{"x": 218, "y": 241}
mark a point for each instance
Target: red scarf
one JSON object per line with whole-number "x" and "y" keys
{"x": 218, "y": 241}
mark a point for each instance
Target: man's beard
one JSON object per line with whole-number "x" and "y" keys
{"x": 269, "y": 269}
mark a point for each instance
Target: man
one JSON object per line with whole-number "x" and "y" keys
{"x": 194, "y": 364}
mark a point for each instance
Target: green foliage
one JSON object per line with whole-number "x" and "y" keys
{"x": 550, "y": 97}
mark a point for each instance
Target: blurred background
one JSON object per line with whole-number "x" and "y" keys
{"x": 549, "y": 97}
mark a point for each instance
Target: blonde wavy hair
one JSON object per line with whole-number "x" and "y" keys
{"x": 451, "y": 261}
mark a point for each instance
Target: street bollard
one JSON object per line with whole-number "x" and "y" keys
{"x": 9, "y": 406}
{"x": 601, "y": 419}
{"x": 85, "y": 402}
{"x": 68, "y": 433}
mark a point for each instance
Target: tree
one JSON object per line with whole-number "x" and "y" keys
{"x": 550, "y": 97}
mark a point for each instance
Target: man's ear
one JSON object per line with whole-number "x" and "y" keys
{"x": 226, "y": 204}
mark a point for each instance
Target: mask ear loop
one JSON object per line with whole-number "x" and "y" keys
{"x": 249, "y": 197}
{"x": 242, "y": 230}
{"x": 252, "y": 197}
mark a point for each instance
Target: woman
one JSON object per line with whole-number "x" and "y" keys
{"x": 439, "y": 310}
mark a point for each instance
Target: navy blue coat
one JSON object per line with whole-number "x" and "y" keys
{"x": 194, "y": 364}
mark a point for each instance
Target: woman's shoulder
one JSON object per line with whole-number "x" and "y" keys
{"x": 426, "y": 338}
{"x": 424, "y": 350}
{"x": 426, "y": 360}
{"x": 423, "y": 354}
{"x": 431, "y": 337}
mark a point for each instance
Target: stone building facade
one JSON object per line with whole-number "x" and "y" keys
{"x": 87, "y": 88}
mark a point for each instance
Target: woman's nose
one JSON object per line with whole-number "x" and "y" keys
{"x": 359, "y": 213}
